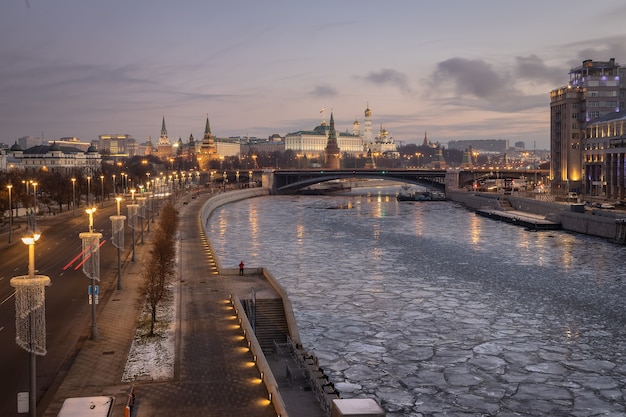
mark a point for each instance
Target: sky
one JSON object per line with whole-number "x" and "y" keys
{"x": 454, "y": 69}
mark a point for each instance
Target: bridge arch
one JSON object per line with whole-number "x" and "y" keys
{"x": 290, "y": 182}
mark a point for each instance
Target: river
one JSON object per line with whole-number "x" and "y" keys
{"x": 433, "y": 310}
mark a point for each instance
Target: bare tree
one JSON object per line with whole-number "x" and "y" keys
{"x": 161, "y": 265}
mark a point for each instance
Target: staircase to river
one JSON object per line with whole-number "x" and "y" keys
{"x": 267, "y": 317}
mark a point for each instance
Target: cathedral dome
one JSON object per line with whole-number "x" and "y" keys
{"x": 368, "y": 112}
{"x": 16, "y": 148}
{"x": 92, "y": 149}
{"x": 55, "y": 147}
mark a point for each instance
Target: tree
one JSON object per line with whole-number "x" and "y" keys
{"x": 161, "y": 265}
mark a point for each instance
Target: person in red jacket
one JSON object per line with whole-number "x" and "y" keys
{"x": 241, "y": 265}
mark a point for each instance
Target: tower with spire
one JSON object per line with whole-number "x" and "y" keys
{"x": 332, "y": 151}
{"x": 208, "y": 149}
{"x": 164, "y": 146}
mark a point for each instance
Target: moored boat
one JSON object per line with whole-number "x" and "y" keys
{"x": 407, "y": 194}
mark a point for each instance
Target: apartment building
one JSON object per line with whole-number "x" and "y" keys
{"x": 594, "y": 91}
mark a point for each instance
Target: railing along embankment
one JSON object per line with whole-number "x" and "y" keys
{"x": 222, "y": 199}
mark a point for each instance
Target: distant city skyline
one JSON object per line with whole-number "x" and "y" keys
{"x": 456, "y": 70}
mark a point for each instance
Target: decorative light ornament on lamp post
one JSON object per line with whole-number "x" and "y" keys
{"x": 30, "y": 315}
{"x": 132, "y": 218}
{"x": 91, "y": 266}
{"x": 117, "y": 238}
{"x": 141, "y": 211}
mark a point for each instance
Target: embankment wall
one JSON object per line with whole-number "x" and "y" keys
{"x": 595, "y": 222}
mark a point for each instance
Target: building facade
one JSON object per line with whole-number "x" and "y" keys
{"x": 594, "y": 91}
{"x": 54, "y": 158}
{"x": 117, "y": 146}
{"x": 603, "y": 156}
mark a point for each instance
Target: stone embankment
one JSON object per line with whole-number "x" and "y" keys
{"x": 607, "y": 224}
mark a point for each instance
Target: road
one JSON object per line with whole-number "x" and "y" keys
{"x": 68, "y": 313}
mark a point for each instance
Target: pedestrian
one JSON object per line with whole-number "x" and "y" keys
{"x": 241, "y": 265}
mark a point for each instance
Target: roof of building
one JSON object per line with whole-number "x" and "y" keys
{"x": 44, "y": 149}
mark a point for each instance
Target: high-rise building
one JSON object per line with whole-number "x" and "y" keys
{"x": 592, "y": 92}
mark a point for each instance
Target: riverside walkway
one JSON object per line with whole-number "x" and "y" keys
{"x": 212, "y": 374}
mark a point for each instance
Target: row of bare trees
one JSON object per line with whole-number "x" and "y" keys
{"x": 160, "y": 267}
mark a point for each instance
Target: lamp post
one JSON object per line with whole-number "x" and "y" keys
{"x": 73, "y": 197}
{"x": 35, "y": 205}
{"x": 132, "y": 218}
{"x": 141, "y": 211}
{"x": 114, "y": 192}
{"x": 91, "y": 267}
{"x": 88, "y": 190}
{"x": 123, "y": 183}
{"x": 117, "y": 231}
{"x": 30, "y": 315}
{"x": 102, "y": 189}
{"x": 9, "y": 187}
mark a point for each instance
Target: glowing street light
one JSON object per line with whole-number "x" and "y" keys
{"x": 88, "y": 190}
{"x": 91, "y": 266}
{"x": 74, "y": 197}
{"x": 117, "y": 231}
{"x": 35, "y": 205}
{"x": 132, "y": 220}
{"x": 30, "y": 315}
{"x": 9, "y": 187}
{"x": 102, "y": 188}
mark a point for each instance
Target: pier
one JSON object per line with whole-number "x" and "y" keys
{"x": 520, "y": 218}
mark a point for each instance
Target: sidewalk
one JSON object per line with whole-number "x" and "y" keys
{"x": 212, "y": 372}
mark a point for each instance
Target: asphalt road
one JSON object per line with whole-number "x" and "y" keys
{"x": 68, "y": 313}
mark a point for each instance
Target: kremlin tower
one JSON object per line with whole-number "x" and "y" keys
{"x": 332, "y": 152}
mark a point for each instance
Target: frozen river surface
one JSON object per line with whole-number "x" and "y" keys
{"x": 435, "y": 311}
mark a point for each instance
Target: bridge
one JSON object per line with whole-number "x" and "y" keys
{"x": 290, "y": 181}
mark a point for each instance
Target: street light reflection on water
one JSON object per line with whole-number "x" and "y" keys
{"x": 388, "y": 307}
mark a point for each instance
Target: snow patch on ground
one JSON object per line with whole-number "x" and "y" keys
{"x": 151, "y": 358}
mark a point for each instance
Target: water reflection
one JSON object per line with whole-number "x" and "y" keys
{"x": 388, "y": 294}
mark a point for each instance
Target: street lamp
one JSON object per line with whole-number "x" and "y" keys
{"x": 88, "y": 190}
{"x": 30, "y": 315}
{"x": 9, "y": 187}
{"x": 91, "y": 266}
{"x": 35, "y": 205}
{"x": 73, "y": 197}
{"x": 117, "y": 230}
{"x": 132, "y": 219}
{"x": 102, "y": 188}
{"x": 418, "y": 155}
{"x": 114, "y": 192}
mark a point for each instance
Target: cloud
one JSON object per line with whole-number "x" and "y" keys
{"x": 475, "y": 78}
{"x": 534, "y": 69}
{"x": 465, "y": 83}
{"x": 324, "y": 91}
{"x": 389, "y": 77}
